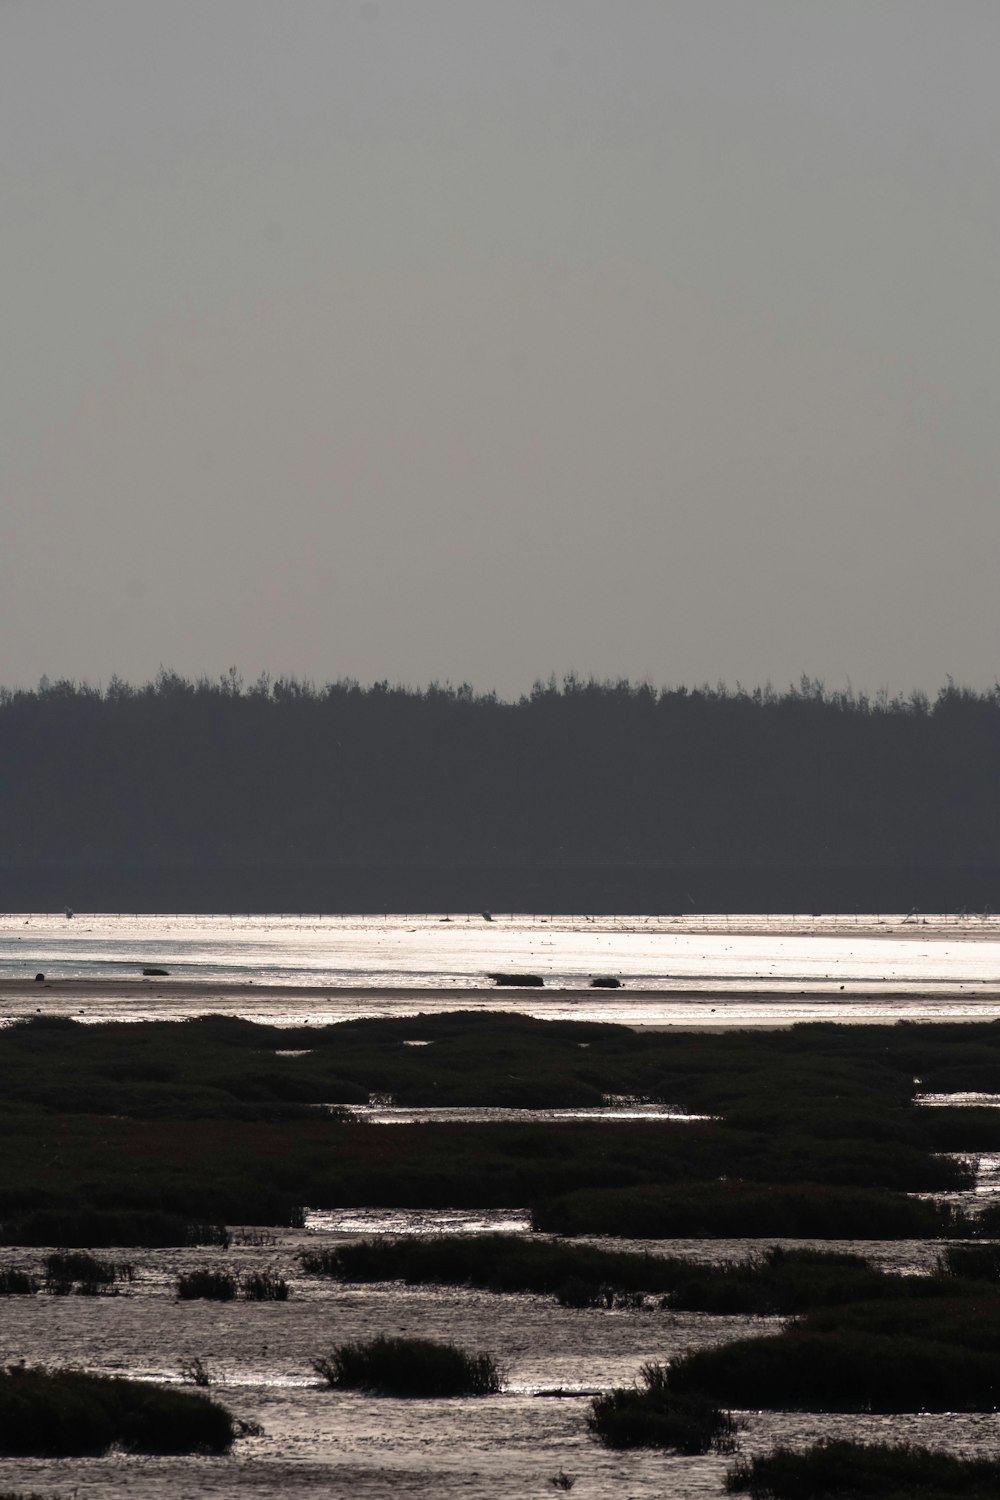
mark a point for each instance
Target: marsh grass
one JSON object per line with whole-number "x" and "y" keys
{"x": 134, "y": 1134}
{"x": 977, "y": 1262}
{"x": 66, "y": 1413}
{"x": 835, "y": 1469}
{"x": 226, "y": 1286}
{"x": 196, "y": 1371}
{"x": 85, "y": 1274}
{"x": 263, "y": 1286}
{"x": 411, "y": 1368}
{"x": 213, "y": 1286}
{"x": 16, "y": 1283}
{"x": 651, "y": 1415}
{"x": 746, "y": 1210}
{"x": 103, "y": 1230}
{"x": 777, "y": 1282}
{"x": 895, "y": 1356}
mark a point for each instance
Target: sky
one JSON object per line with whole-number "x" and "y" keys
{"x": 478, "y": 340}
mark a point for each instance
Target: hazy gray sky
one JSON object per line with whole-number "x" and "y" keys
{"x": 480, "y": 339}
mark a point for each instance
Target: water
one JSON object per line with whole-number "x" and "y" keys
{"x": 342, "y": 1444}
{"x": 736, "y": 971}
{"x": 718, "y": 971}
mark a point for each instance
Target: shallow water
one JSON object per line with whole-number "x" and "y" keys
{"x": 398, "y": 1114}
{"x": 721, "y": 972}
{"x": 428, "y": 952}
{"x": 725, "y": 972}
{"x": 345, "y": 1444}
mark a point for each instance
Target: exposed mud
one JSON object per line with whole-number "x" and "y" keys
{"x": 344, "y": 1444}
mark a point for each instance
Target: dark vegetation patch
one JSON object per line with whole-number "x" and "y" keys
{"x": 200, "y": 1122}
{"x": 837, "y": 1470}
{"x": 821, "y": 1080}
{"x": 17, "y": 1283}
{"x": 652, "y": 1415}
{"x": 978, "y": 1262}
{"x": 898, "y": 1356}
{"x": 103, "y": 1229}
{"x": 86, "y": 1274}
{"x": 65, "y": 1414}
{"x": 214, "y": 1286}
{"x": 263, "y": 1286}
{"x": 780, "y": 1281}
{"x": 224, "y": 1286}
{"x": 410, "y": 1367}
{"x": 748, "y": 1210}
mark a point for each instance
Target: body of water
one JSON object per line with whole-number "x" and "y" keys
{"x": 713, "y": 971}
{"x": 720, "y": 971}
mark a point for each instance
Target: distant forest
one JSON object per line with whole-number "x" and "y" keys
{"x": 583, "y": 795}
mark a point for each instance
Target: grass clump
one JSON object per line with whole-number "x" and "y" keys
{"x": 87, "y": 1275}
{"x": 214, "y": 1286}
{"x": 976, "y": 1262}
{"x": 745, "y": 1210}
{"x": 410, "y": 1367}
{"x": 264, "y": 1286}
{"x": 66, "y": 1413}
{"x": 931, "y": 1354}
{"x": 654, "y": 1416}
{"x": 778, "y": 1282}
{"x": 15, "y": 1283}
{"x": 833, "y": 1469}
{"x": 225, "y": 1286}
{"x": 103, "y": 1230}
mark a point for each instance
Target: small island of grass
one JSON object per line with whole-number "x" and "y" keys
{"x": 410, "y": 1367}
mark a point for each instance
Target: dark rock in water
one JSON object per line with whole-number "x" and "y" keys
{"x": 519, "y": 981}
{"x": 151, "y": 973}
{"x": 605, "y": 982}
{"x": 39, "y": 978}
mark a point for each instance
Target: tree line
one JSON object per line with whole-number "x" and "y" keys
{"x": 576, "y": 773}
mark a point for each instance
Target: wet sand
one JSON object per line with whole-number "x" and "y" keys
{"x": 343, "y": 1444}
{"x": 508, "y": 1447}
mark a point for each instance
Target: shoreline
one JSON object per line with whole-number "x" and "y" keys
{"x": 137, "y": 1000}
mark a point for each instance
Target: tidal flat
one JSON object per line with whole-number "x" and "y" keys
{"x": 246, "y": 1144}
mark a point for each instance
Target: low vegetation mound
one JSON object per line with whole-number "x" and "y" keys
{"x": 410, "y": 1367}
{"x": 263, "y": 1286}
{"x": 88, "y": 1275}
{"x": 738, "y": 1209}
{"x": 652, "y": 1415}
{"x": 17, "y": 1283}
{"x": 777, "y": 1282}
{"x": 69, "y": 1414}
{"x": 225, "y": 1286}
{"x": 831, "y": 1470}
{"x": 907, "y": 1355}
{"x": 159, "y": 1133}
{"x": 214, "y": 1286}
{"x": 977, "y": 1262}
{"x": 104, "y": 1230}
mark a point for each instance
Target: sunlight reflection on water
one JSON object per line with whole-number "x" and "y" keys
{"x": 737, "y": 971}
